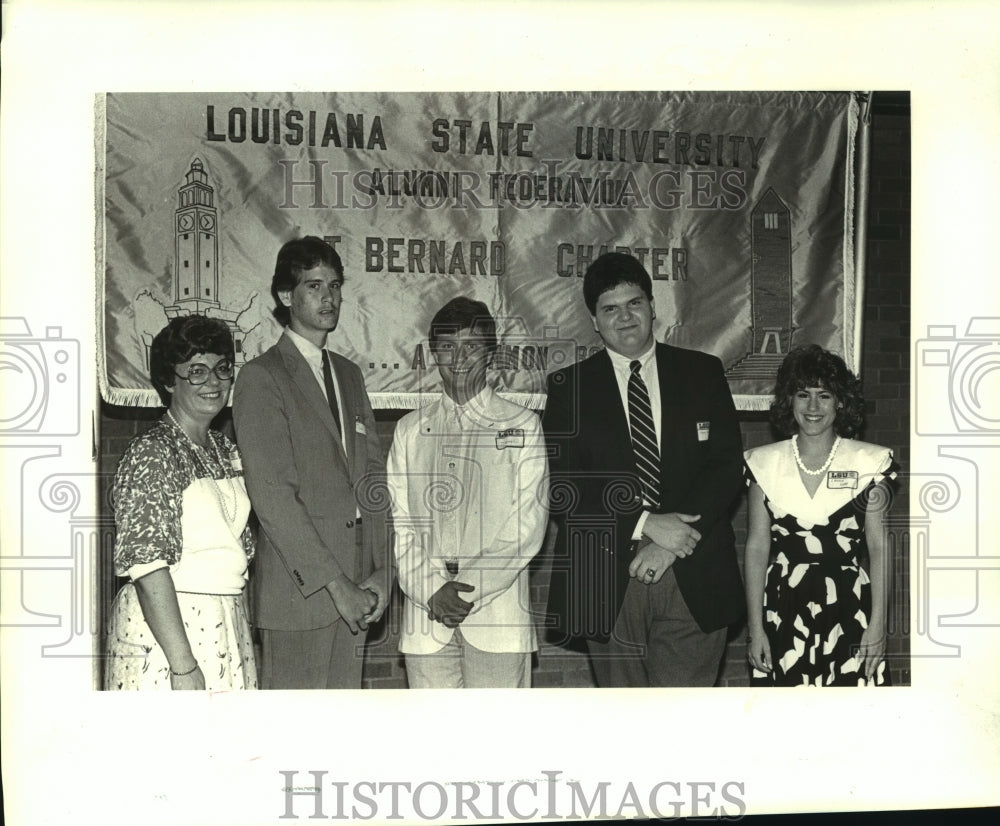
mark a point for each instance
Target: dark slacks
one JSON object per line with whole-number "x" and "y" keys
{"x": 656, "y": 642}
{"x": 328, "y": 657}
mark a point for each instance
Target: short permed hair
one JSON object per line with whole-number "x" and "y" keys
{"x": 464, "y": 313}
{"x": 294, "y": 258}
{"x": 182, "y": 338}
{"x": 812, "y": 366}
{"x": 610, "y": 270}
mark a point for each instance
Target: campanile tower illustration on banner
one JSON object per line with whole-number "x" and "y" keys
{"x": 196, "y": 243}
{"x": 771, "y": 275}
{"x": 197, "y": 267}
{"x": 770, "y": 290}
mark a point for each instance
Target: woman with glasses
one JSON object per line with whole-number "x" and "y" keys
{"x": 181, "y": 512}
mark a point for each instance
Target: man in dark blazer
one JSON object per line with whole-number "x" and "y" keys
{"x": 644, "y": 572}
{"x": 313, "y": 465}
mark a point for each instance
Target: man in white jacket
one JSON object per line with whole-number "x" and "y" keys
{"x": 468, "y": 478}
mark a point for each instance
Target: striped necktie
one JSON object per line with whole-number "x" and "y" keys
{"x": 647, "y": 452}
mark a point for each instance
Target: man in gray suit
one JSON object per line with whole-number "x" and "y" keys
{"x": 313, "y": 462}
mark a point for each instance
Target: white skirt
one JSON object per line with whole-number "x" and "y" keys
{"x": 217, "y": 629}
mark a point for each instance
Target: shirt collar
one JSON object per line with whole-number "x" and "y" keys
{"x": 622, "y": 363}
{"x": 473, "y": 409}
{"x": 310, "y": 352}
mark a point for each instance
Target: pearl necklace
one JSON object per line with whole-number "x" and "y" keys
{"x": 826, "y": 464}
{"x": 222, "y": 498}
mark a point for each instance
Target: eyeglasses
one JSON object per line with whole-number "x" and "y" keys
{"x": 198, "y": 373}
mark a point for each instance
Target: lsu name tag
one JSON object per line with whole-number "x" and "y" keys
{"x": 842, "y": 479}
{"x": 510, "y": 438}
{"x": 703, "y": 429}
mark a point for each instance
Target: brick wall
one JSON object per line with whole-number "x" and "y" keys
{"x": 885, "y": 375}
{"x": 887, "y": 342}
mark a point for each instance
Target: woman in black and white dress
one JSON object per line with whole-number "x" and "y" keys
{"x": 816, "y": 616}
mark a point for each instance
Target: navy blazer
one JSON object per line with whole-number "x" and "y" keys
{"x": 596, "y": 497}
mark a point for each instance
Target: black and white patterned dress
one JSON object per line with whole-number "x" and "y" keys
{"x": 185, "y": 509}
{"x": 817, "y": 597}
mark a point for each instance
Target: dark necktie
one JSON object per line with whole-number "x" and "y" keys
{"x": 331, "y": 394}
{"x": 647, "y": 452}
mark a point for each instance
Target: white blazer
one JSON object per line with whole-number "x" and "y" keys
{"x": 469, "y": 483}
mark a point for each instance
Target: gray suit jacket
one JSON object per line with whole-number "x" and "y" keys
{"x": 306, "y": 485}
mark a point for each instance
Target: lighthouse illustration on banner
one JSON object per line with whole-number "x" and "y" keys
{"x": 770, "y": 290}
{"x": 197, "y": 272}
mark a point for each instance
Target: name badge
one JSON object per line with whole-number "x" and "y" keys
{"x": 510, "y": 438}
{"x": 842, "y": 479}
{"x": 703, "y": 429}
{"x": 359, "y": 427}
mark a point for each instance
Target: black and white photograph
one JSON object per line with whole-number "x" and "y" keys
{"x": 553, "y": 216}
{"x": 371, "y": 368}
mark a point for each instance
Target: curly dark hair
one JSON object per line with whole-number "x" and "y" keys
{"x": 812, "y": 366}
{"x": 182, "y": 338}
{"x": 294, "y": 258}
{"x": 608, "y": 271}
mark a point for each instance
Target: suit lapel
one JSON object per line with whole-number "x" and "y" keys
{"x": 609, "y": 412}
{"x": 304, "y": 379}
{"x": 670, "y": 423}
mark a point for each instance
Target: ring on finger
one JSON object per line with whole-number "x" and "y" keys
{"x": 650, "y": 572}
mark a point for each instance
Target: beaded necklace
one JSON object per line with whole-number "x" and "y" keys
{"x": 222, "y": 497}
{"x": 826, "y": 464}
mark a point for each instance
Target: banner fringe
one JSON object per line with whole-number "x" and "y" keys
{"x": 130, "y": 398}
{"x": 411, "y": 401}
{"x": 752, "y": 403}
{"x": 533, "y": 401}
{"x": 395, "y": 401}
{"x": 400, "y": 401}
